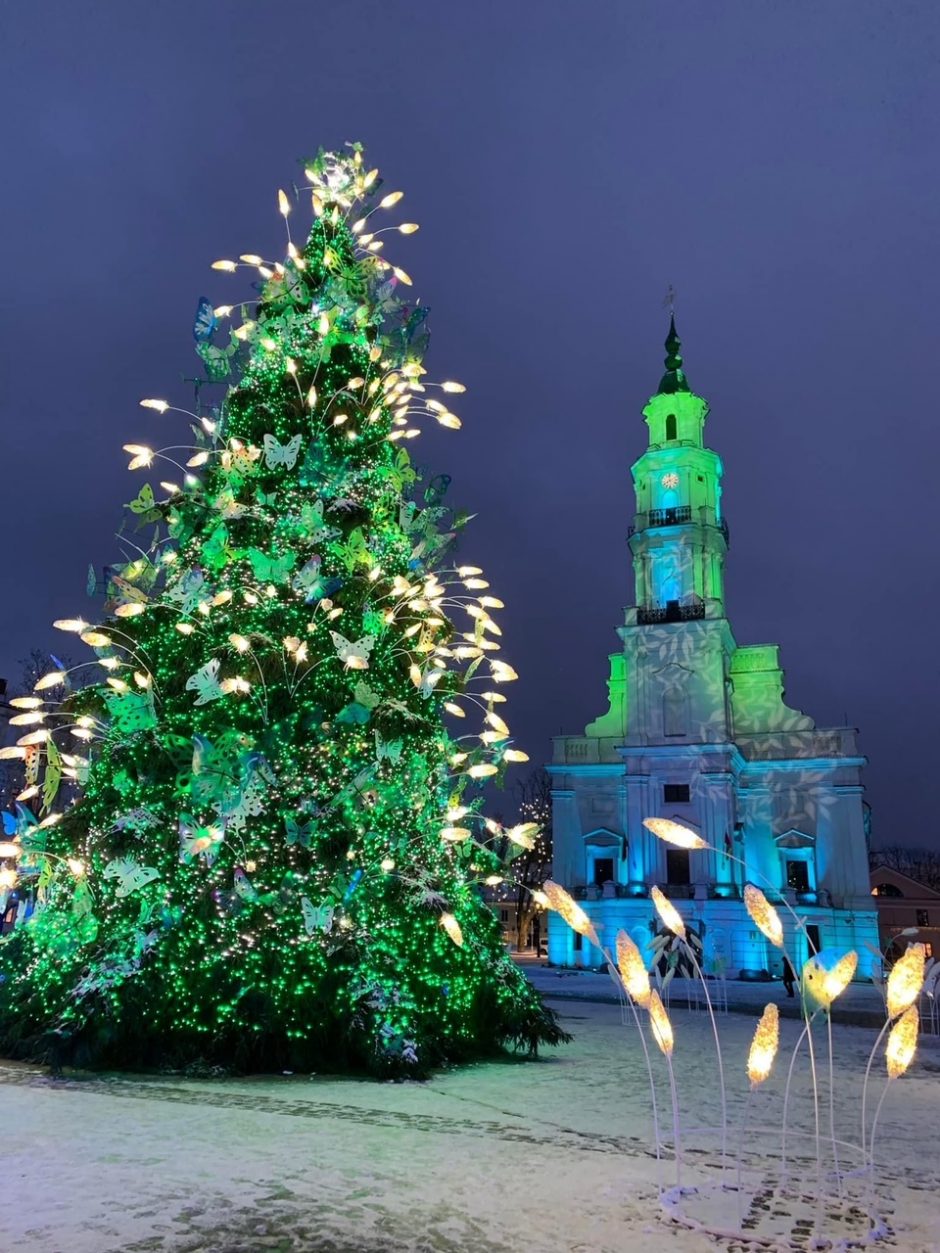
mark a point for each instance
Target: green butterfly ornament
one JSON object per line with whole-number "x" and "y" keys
{"x": 144, "y": 506}
{"x": 215, "y": 551}
{"x": 297, "y": 832}
{"x": 269, "y": 569}
{"x": 131, "y": 712}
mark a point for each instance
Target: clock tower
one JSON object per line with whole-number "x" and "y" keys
{"x": 679, "y": 538}
{"x": 698, "y": 731}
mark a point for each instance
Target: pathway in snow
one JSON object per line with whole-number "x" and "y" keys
{"x": 555, "y": 1156}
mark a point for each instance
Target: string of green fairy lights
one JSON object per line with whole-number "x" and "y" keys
{"x": 274, "y": 858}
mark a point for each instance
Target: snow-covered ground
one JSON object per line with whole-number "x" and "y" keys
{"x": 555, "y": 1156}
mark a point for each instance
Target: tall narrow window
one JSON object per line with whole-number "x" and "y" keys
{"x": 798, "y": 876}
{"x": 603, "y": 870}
{"x": 670, "y": 426}
{"x": 678, "y": 868}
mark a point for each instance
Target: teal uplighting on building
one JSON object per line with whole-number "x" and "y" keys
{"x": 697, "y": 731}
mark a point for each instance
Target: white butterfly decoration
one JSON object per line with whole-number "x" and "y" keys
{"x": 353, "y": 654}
{"x": 206, "y": 682}
{"x": 389, "y": 749}
{"x": 311, "y": 518}
{"x": 317, "y": 917}
{"x": 250, "y": 802}
{"x": 285, "y": 455}
{"x": 132, "y": 875}
{"x": 425, "y": 681}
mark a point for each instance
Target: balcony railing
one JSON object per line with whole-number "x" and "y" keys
{"x": 672, "y": 611}
{"x": 674, "y": 516}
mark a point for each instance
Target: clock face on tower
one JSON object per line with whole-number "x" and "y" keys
{"x": 670, "y": 480}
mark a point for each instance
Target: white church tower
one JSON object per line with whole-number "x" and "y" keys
{"x": 697, "y": 731}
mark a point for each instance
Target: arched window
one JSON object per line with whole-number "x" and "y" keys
{"x": 886, "y": 889}
{"x": 670, "y": 426}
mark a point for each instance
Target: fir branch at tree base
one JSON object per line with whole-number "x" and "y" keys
{"x": 144, "y": 1022}
{"x": 254, "y": 840}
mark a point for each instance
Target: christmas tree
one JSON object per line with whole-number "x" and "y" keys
{"x": 253, "y": 841}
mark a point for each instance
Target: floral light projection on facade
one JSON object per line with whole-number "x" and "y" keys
{"x": 276, "y": 851}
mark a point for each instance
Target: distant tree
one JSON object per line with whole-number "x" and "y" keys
{"x": 533, "y": 866}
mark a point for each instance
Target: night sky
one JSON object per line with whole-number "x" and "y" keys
{"x": 777, "y": 163}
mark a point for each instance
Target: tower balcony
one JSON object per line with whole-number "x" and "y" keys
{"x": 672, "y": 611}
{"x": 673, "y": 516}
{"x": 678, "y": 515}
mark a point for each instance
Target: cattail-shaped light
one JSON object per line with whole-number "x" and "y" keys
{"x": 824, "y": 980}
{"x": 906, "y": 979}
{"x": 841, "y": 975}
{"x": 452, "y": 927}
{"x": 764, "y": 1046}
{"x": 902, "y": 1042}
{"x": 659, "y": 1021}
{"x": 763, "y": 915}
{"x": 670, "y": 916}
{"x": 674, "y": 833}
{"x": 570, "y": 910}
{"x": 633, "y": 970}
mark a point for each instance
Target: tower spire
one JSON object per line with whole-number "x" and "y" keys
{"x": 674, "y": 379}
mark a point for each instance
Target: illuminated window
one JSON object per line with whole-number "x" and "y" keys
{"x": 798, "y": 876}
{"x": 886, "y": 889}
{"x": 670, "y": 426}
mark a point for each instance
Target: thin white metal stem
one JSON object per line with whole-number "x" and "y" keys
{"x": 786, "y": 1101}
{"x": 721, "y": 1069}
{"x": 744, "y": 1116}
{"x": 871, "y": 1142}
{"x": 871, "y": 1058}
{"x": 832, "y": 1109}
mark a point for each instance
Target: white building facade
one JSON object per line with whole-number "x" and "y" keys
{"x": 697, "y": 731}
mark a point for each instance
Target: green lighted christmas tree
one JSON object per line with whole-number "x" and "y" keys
{"x": 254, "y": 842}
